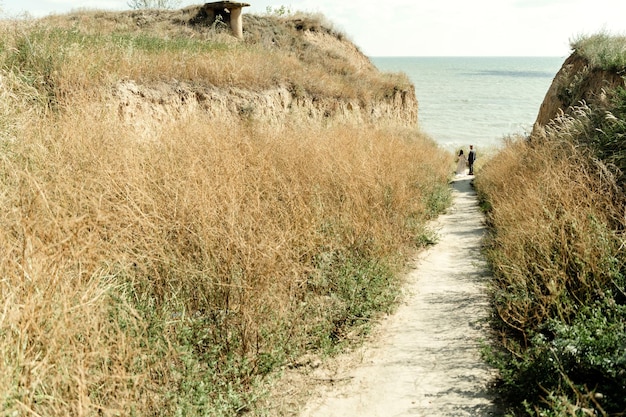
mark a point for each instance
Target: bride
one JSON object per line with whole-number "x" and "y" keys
{"x": 461, "y": 163}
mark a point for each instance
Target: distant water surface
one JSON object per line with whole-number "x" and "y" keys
{"x": 476, "y": 100}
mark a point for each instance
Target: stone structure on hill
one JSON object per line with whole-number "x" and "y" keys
{"x": 227, "y": 12}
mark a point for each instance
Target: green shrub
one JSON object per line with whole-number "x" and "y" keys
{"x": 602, "y": 50}
{"x": 584, "y": 360}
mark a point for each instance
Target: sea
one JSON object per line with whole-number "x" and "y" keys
{"x": 476, "y": 100}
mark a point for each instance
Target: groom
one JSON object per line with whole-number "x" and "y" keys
{"x": 470, "y": 159}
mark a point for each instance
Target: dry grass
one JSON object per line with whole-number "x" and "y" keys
{"x": 169, "y": 276}
{"x": 132, "y": 269}
{"x": 162, "y": 45}
{"x": 556, "y": 206}
{"x": 557, "y": 218}
{"x": 550, "y": 204}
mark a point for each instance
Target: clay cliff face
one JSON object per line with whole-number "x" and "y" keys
{"x": 146, "y": 104}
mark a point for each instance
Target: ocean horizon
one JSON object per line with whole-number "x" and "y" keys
{"x": 475, "y": 100}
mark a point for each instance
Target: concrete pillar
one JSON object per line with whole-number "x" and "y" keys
{"x": 236, "y": 22}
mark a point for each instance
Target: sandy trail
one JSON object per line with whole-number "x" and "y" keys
{"x": 425, "y": 359}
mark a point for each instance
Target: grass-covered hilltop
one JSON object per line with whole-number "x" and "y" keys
{"x": 556, "y": 204}
{"x": 184, "y": 213}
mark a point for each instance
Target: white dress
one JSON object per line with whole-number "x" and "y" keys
{"x": 461, "y": 165}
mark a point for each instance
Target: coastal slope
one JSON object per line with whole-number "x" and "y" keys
{"x": 184, "y": 213}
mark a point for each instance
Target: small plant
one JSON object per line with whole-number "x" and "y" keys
{"x": 280, "y": 11}
{"x": 153, "y": 4}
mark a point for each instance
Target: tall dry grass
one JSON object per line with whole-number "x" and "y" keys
{"x": 168, "y": 276}
{"x": 557, "y": 249}
{"x": 555, "y": 211}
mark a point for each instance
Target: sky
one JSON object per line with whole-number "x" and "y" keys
{"x": 423, "y": 27}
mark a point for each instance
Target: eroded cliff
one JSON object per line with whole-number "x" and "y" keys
{"x": 307, "y": 69}
{"x": 578, "y": 81}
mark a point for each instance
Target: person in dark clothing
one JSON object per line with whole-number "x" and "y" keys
{"x": 470, "y": 159}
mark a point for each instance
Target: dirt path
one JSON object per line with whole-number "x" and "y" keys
{"x": 425, "y": 359}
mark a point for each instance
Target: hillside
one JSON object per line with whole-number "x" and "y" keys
{"x": 577, "y": 81}
{"x": 555, "y": 202}
{"x": 286, "y": 66}
{"x": 184, "y": 214}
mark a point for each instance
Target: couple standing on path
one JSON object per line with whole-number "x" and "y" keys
{"x": 463, "y": 161}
